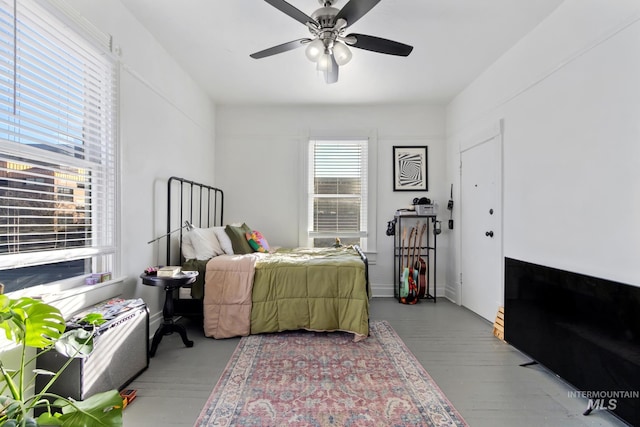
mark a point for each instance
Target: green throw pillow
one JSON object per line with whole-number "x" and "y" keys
{"x": 238, "y": 239}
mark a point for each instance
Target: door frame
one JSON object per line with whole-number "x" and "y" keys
{"x": 496, "y": 130}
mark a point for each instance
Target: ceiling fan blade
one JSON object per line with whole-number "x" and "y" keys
{"x": 380, "y": 45}
{"x": 280, "y": 48}
{"x": 292, "y": 11}
{"x": 355, "y": 10}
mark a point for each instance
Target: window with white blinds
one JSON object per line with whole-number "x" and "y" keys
{"x": 58, "y": 157}
{"x": 338, "y": 192}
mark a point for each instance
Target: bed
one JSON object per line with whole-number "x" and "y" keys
{"x": 247, "y": 287}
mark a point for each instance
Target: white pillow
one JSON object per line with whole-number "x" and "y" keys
{"x": 204, "y": 242}
{"x": 211, "y": 236}
{"x": 188, "y": 252}
{"x": 224, "y": 240}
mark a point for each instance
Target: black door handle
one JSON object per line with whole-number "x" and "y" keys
{"x": 489, "y": 234}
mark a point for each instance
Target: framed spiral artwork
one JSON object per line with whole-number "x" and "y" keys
{"x": 410, "y": 168}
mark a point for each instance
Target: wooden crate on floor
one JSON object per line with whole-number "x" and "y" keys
{"x": 498, "y": 325}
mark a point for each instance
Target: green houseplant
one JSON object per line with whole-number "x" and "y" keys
{"x": 31, "y": 323}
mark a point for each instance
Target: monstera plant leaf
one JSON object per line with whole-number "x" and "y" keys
{"x": 31, "y": 322}
{"x": 101, "y": 409}
{"x": 10, "y": 408}
{"x": 75, "y": 343}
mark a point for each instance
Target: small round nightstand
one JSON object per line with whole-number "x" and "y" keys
{"x": 168, "y": 326}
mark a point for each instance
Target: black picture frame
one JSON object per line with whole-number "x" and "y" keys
{"x": 410, "y": 168}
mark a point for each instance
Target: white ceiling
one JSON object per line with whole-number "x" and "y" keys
{"x": 454, "y": 41}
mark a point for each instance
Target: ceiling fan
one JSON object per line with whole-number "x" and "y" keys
{"x": 328, "y": 46}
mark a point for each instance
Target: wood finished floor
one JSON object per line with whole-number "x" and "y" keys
{"x": 479, "y": 374}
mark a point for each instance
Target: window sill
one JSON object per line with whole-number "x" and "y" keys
{"x": 67, "y": 298}
{"x": 72, "y": 296}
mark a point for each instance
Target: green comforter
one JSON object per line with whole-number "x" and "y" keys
{"x": 317, "y": 289}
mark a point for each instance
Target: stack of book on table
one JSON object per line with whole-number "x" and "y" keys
{"x": 169, "y": 271}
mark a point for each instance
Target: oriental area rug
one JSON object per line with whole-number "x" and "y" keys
{"x": 326, "y": 379}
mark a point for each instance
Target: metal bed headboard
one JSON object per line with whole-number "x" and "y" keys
{"x": 200, "y": 204}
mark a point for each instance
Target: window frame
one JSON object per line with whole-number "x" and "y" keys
{"x": 63, "y": 19}
{"x": 304, "y": 237}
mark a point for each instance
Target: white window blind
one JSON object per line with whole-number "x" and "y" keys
{"x": 338, "y": 192}
{"x": 58, "y": 100}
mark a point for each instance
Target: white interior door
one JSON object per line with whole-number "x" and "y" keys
{"x": 481, "y": 227}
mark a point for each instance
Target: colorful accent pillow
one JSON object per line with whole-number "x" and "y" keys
{"x": 257, "y": 241}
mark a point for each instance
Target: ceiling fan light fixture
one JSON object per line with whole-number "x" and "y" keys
{"x": 331, "y": 75}
{"x": 328, "y": 67}
{"x": 324, "y": 62}
{"x": 315, "y": 50}
{"x": 328, "y": 46}
{"x": 341, "y": 53}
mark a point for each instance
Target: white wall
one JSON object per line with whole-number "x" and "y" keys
{"x": 569, "y": 94}
{"x": 167, "y": 128}
{"x": 259, "y": 166}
